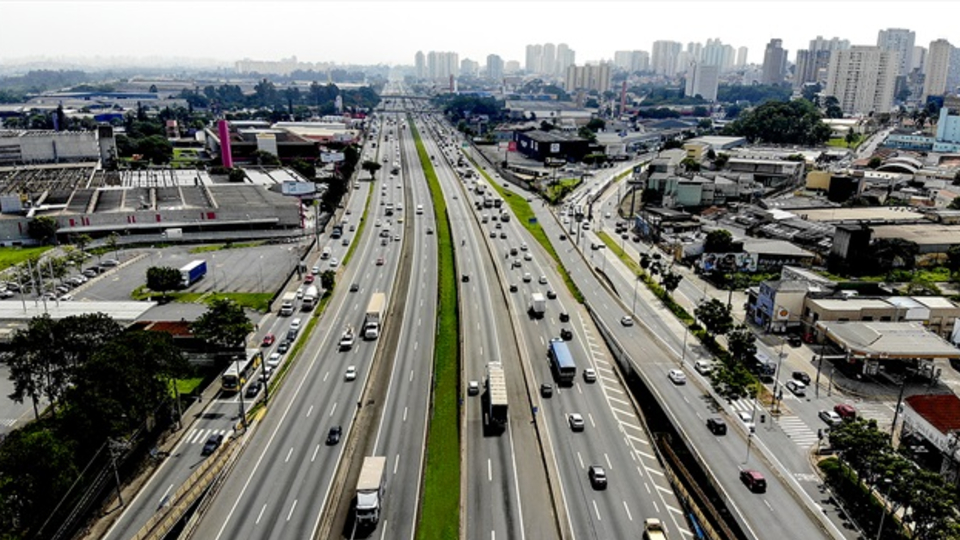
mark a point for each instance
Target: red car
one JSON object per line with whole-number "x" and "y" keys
{"x": 309, "y": 279}
{"x": 268, "y": 340}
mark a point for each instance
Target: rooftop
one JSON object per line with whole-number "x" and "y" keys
{"x": 849, "y": 304}
{"x": 941, "y": 410}
{"x": 552, "y": 136}
{"x": 921, "y": 234}
{"x": 871, "y": 213}
{"x": 888, "y": 340}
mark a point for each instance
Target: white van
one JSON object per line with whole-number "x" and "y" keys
{"x": 295, "y": 324}
{"x": 419, "y": 209}
{"x": 325, "y": 254}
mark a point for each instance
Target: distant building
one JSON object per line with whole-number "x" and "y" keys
{"x": 663, "y": 59}
{"x": 591, "y": 77}
{"x": 742, "y": 56}
{"x": 940, "y": 57}
{"x": 494, "y": 67}
{"x": 632, "y": 61}
{"x": 420, "y": 65}
{"x": 774, "y": 63}
{"x": 702, "y": 80}
{"x": 900, "y": 41}
{"x": 540, "y": 145}
{"x": 863, "y": 79}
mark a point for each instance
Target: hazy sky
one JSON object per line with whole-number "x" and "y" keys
{"x": 369, "y": 32}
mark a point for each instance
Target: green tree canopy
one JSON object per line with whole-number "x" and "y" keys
{"x": 43, "y": 229}
{"x": 718, "y": 241}
{"x": 163, "y": 278}
{"x": 224, "y": 325}
{"x": 779, "y": 122}
{"x": 742, "y": 343}
{"x": 371, "y": 167}
{"x": 715, "y": 316}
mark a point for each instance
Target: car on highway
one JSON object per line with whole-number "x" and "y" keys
{"x": 677, "y": 376}
{"x": 626, "y": 320}
{"x": 284, "y": 346}
{"x": 703, "y": 367}
{"x": 830, "y": 417}
{"x": 379, "y": 261}
{"x": 754, "y": 481}
{"x": 315, "y": 270}
{"x": 802, "y": 377}
{"x": 798, "y": 388}
{"x": 473, "y": 388}
{"x": 309, "y": 279}
{"x": 576, "y": 421}
{"x": 213, "y": 442}
{"x": 513, "y": 251}
{"x": 551, "y": 294}
{"x": 513, "y": 287}
{"x": 351, "y": 373}
{"x": 845, "y": 411}
{"x": 252, "y": 390}
{"x": 523, "y": 246}
{"x": 300, "y": 293}
{"x": 527, "y": 256}
{"x": 564, "y": 316}
{"x": 268, "y": 340}
{"x": 333, "y": 436}
{"x": 429, "y": 230}
{"x": 354, "y": 287}
{"x": 589, "y": 375}
{"x": 516, "y": 263}
{"x": 543, "y": 280}
{"x": 527, "y": 278}
{"x": 546, "y": 390}
{"x": 274, "y": 359}
{"x": 747, "y": 420}
{"x": 345, "y": 242}
{"x": 566, "y": 334}
{"x": 716, "y": 425}
{"x": 334, "y": 262}
{"x": 465, "y": 278}
{"x": 493, "y": 234}
{"x": 503, "y": 236}
{"x": 597, "y": 476}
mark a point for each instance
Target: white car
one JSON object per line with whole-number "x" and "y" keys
{"x": 526, "y": 277}
{"x": 351, "y": 373}
{"x": 677, "y": 376}
{"x": 543, "y": 280}
{"x": 703, "y": 367}
{"x": 798, "y": 388}
{"x": 334, "y": 262}
{"x": 830, "y": 417}
{"x": 589, "y": 375}
{"x": 626, "y": 320}
{"x": 575, "y": 421}
{"x": 747, "y": 420}
{"x": 523, "y": 247}
{"x": 274, "y": 360}
{"x": 473, "y": 388}
{"x": 315, "y": 270}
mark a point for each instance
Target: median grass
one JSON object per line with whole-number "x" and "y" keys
{"x": 229, "y": 245}
{"x": 256, "y": 301}
{"x": 360, "y": 226}
{"x": 524, "y": 213}
{"x": 440, "y": 509}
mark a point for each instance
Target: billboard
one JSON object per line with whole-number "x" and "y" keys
{"x": 298, "y": 189}
{"x": 331, "y": 157}
{"x": 728, "y": 263}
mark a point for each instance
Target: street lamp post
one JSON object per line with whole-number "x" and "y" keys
{"x": 776, "y": 376}
{"x": 243, "y": 412}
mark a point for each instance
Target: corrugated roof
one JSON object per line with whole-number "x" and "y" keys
{"x": 889, "y": 340}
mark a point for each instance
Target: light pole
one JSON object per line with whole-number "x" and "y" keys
{"x": 776, "y": 376}
{"x": 240, "y": 381}
{"x": 683, "y": 349}
{"x": 636, "y": 285}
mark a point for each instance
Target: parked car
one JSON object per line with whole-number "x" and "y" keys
{"x": 830, "y": 417}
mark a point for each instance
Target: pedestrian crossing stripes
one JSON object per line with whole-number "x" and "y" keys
{"x": 9, "y": 422}
{"x": 200, "y": 436}
{"x": 742, "y": 405}
{"x": 797, "y": 430}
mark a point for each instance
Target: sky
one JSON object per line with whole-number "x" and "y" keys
{"x": 391, "y": 32}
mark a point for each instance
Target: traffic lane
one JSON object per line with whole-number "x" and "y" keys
{"x": 11, "y": 412}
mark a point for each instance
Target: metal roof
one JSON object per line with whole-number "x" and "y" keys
{"x": 888, "y": 340}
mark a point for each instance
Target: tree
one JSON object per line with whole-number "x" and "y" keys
{"x": 82, "y": 241}
{"x": 163, "y": 278}
{"x": 224, "y": 325}
{"x": 721, "y": 160}
{"x": 955, "y": 203}
{"x": 671, "y": 144}
{"x": 236, "y": 175}
{"x": 34, "y": 367}
{"x": 715, "y": 316}
{"x": 718, "y": 241}
{"x": 156, "y": 149}
{"x": 779, "y": 122}
{"x": 953, "y": 259}
{"x": 596, "y": 124}
{"x": 266, "y": 159}
{"x": 860, "y": 443}
{"x": 328, "y": 280}
{"x": 43, "y": 229}
{"x": 112, "y": 241}
{"x": 874, "y": 162}
{"x": 850, "y": 138}
{"x": 690, "y": 164}
{"x": 742, "y": 343}
{"x": 670, "y": 281}
{"x": 304, "y": 168}
{"x": 371, "y": 167}
{"x": 890, "y": 253}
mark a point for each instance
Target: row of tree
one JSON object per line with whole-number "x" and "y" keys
{"x": 317, "y": 98}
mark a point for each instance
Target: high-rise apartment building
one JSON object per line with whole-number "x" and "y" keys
{"x": 663, "y": 59}
{"x": 774, "y": 63}
{"x": 534, "y": 62}
{"x": 469, "y": 67}
{"x": 566, "y": 57}
{"x": 899, "y": 40}
{"x": 937, "y": 68}
{"x": 494, "y": 67}
{"x": 420, "y": 65}
{"x": 591, "y": 77}
{"x": 702, "y": 80}
{"x": 741, "y": 57}
{"x": 919, "y": 60}
{"x": 812, "y": 63}
{"x": 442, "y": 65}
{"x": 548, "y": 59}
{"x": 631, "y": 61}
{"x": 863, "y": 79}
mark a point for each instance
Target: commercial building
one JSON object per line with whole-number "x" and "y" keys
{"x": 930, "y": 427}
{"x": 543, "y": 145}
{"x": 863, "y": 79}
{"x": 774, "y": 63}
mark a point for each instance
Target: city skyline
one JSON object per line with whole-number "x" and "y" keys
{"x": 317, "y": 36}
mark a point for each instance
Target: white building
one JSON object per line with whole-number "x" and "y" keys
{"x": 702, "y": 80}
{"x": 937, "y": 68}
{"x": 863, "y": 79}
{"x": 900, "y": 41}
{"x": 663, "y": 59}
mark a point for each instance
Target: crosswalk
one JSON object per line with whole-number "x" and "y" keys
{"x": 200, "y": 436}
{"x": 8, "y": 422}
{"x": 798, "y": 431}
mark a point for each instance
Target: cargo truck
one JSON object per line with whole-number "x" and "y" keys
{"x": 373, "y": 321}
{"x": 370, "y": 490}
{"x": 495, "y": 412}
{"x": 288, "y": 303}
{"x": 653, "y": 530}
{"x": 192, "y": 273}
{"x": 310, "y": 298}
{"x": 538, "y": 305}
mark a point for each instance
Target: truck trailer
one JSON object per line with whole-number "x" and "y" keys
{"x": 310, "y": 298}
{"x": 495, "y": 411}
{"x": 288, "y": 303}
{"x": 369, "y": 493}
{"x": 538, "y": 305}
{"x": 373, "y": 321}
{"x": 192, "y": 272}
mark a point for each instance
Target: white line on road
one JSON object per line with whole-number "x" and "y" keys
{"x": 627, "y": 509}
{"x": 768, "y": 505}
{"x": 333, "y": 409}
{"x": 592, "y": 423}
{"x": 260, "y": 515}
{"x": 404, "y": 414}
{"x": 396, "y": 463}
{"x": 580, "y": 459}
{"x": 607, "y": 458}
{"x": 596, "y": 510}
{"x": 489, "y": 471}
{"x": 291, "y": 509}
{"x": 325, "y": 375}
{"x": 289, "y": 453}
{"x": 411, "y": 375}
{"x": 310, "y": 410}
{"x": 314, "y": 457}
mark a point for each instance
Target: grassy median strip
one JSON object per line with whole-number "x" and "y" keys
{"x": 440, "y": 509}
{"x": 363, "y": 222}
{"x": 524, "y": 213}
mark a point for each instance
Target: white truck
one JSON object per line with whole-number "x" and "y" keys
{"x": 373, "y": 321}
{"x": 495, "y": 400}
{"x": 288, "y": 303}
{"x": 370, "y": 490}
{"x": 538, "y": 305}
{"x": 310, "y": 298}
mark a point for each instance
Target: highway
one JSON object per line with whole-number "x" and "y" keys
{"x": 613, "y": 436}
{"x": 281, "y": 483}
{"x": 506, "y": 493}
{"x": 655, "y": 347}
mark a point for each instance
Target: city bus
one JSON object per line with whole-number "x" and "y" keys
{"x": 238, "y": 373}
{"x": 561, "y": 362}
